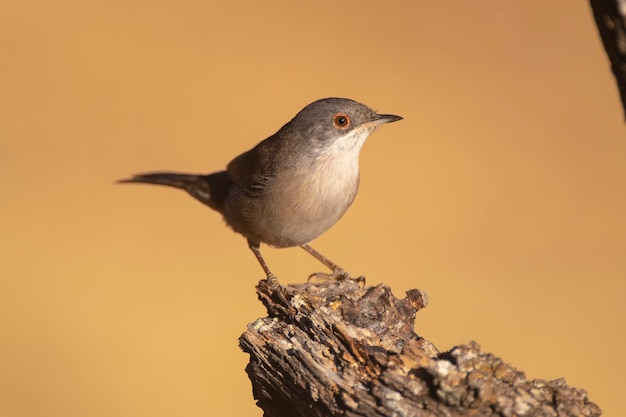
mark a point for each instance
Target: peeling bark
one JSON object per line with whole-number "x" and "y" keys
{"x": 335, "y": 349}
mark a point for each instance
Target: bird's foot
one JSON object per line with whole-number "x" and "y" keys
{"x": 272, "y": 280}
{"x": 337, "y": 275}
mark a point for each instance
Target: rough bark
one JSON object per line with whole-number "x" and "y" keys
{"x": 610, "y": 17}
{"x": 331, "y": 349}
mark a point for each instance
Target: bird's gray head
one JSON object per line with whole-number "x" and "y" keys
{"x": 330, "y": 120}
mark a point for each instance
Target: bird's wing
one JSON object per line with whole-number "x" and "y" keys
{"x": 254, "y": 169}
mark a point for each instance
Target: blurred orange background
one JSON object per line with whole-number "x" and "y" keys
{"x": 501, "y": 194}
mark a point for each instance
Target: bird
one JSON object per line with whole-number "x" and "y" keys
{"x": 292, "y": 186}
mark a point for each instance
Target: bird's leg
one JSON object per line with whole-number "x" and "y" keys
{"x": 257, "y": 252}
{"x": 339, "y": 274}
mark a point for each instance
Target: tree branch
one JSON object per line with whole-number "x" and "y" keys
{"x": 335, "y": 349}
{"x": 610, "y": 17}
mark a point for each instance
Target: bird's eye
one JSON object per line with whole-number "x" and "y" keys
{"x": 341, "y": 121}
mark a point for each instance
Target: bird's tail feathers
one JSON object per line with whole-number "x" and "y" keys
{"x": 196, "y": 185}
{"x": 171, "y": 179}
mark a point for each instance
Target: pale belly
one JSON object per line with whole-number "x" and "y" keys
{"x": 297, "y": 209}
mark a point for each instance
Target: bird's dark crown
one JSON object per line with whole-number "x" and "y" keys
{"x": 330, "y": 118}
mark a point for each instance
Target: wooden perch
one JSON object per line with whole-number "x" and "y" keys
{"x": 335, "y": 349}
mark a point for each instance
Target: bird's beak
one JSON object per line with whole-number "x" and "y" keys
{"x": 381, "y": 119}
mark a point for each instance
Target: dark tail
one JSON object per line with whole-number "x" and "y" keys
{"x": 170, "y": 179}
{"x": 209, "y": 189}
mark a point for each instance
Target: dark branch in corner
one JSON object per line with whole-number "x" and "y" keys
{"x": 611, "y": 22}
{"x": 335, "y": 349}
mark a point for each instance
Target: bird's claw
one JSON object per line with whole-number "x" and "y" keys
{"x": 337, "y": 275}
{"x": 272, "y": 280}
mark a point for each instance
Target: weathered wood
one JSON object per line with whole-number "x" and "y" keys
{"x": 335, "y": 349}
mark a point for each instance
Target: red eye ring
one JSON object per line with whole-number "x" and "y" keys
{"x": 341, "y": 121}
